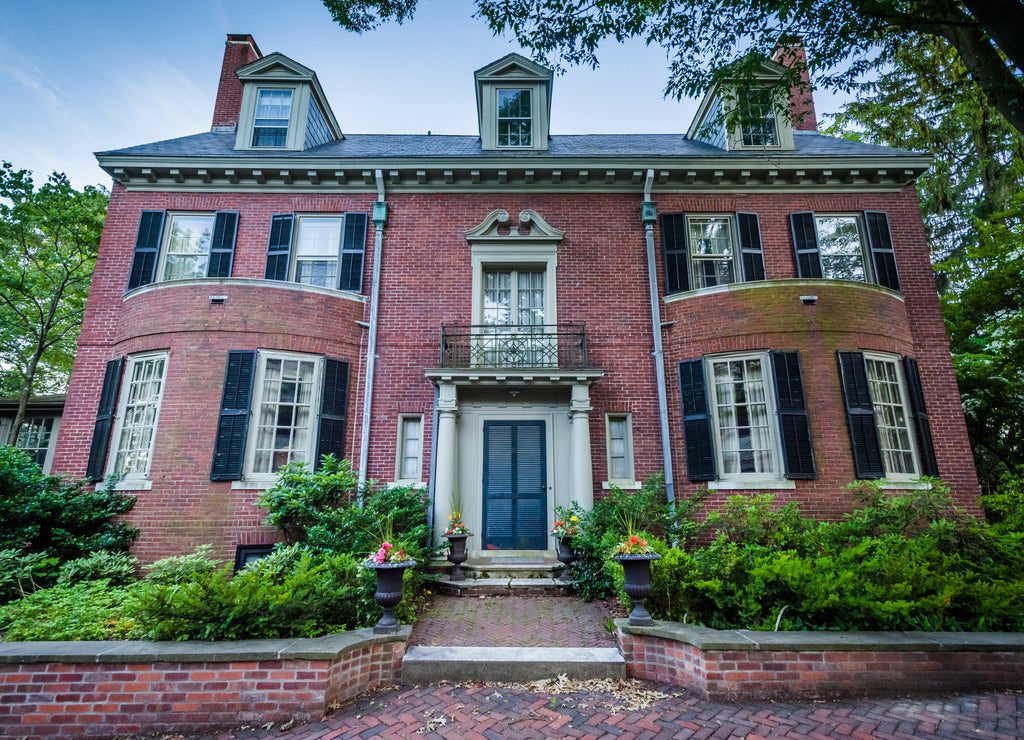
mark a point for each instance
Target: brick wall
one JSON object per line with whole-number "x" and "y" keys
{"x": 239, "y": 50}
{"x": 68, "y": 698}
{"x": 426, "y": 281}
{"x": 805, "y": 665}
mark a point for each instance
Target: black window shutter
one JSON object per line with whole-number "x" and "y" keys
{"x": 104, "y": 420}
{"x": 353, "y": 247}
{"x": 883, "y": 257}
{"x": 794, "y": 423}
{"x": 673, "y": 239}
{"x": 333, "y": 408}
{"x": 229, "y": 447}
{"x": 222, "y": 248}
{"x": 279, "y": 248}
{"x": 700, "y": 457}
{"x": 922, "y": 427}
{"x": 805, "y": 242}
{"x": 147, "y": 249}
{"x": 860, "y": 416}
{"x": 750, "y": 246}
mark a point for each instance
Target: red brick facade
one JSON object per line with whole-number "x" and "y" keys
{"x": 426, "y": 281}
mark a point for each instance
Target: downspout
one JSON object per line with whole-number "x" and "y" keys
{"x": 433, "y": 470}
{"x": 648, "y": 215}
{"x": 380, "y": 217}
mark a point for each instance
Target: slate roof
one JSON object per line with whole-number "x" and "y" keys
{"x": 369, "y": 146}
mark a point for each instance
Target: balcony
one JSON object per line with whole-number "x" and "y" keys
{"x": 548, "y": 346}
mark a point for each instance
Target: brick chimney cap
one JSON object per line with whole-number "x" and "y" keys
{"x": 244, "y": 38}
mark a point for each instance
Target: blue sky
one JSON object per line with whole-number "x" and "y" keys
{"x": 80, "y": 77}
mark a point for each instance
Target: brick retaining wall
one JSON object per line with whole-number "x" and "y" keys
{"x": 722, "y": 665}
{"x": 99, "y": 689}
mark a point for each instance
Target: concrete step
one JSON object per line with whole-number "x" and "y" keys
{"x": 424, "y": 665}
{"x": 535, "y": 586}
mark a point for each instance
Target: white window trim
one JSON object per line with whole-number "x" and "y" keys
{"x": 899, "y": 480}
{"x": 738, "y": 480}
{"x": 135, "y": 481}
{"x": 538, "y": 115}
{"x": 783, "y": 128}
{"x": 734, "y": 245}
{"x": 51, "y": 443}
{"x": 522, "y": 257}
{"x": 628, "y": 481}
{"x": 400, "y": 451}
{"x": 165, "y": 243}
{"x": 262, "y": 481}
{"x": 296, "y": 120}
{"x": 865, "y": 249}
{"x": 293, "y": 259}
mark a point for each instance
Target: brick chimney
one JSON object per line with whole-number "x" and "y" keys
{"x": 801, "y": 101}
{"x": 239, "y": 51}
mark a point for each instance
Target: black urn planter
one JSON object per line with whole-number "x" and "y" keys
{"x": 457, "y": 555}
{"x": 637, "y": 571}
{"x": 388, "y": 593}
{"x": 565, "y": 555}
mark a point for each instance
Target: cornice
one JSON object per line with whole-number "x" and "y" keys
{"x": 542, "y": 174}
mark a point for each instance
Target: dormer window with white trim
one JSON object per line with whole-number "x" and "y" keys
{"x": 273, "y": 112}
{"x": 757, "y": 118}
{"x": 515, "y": 120}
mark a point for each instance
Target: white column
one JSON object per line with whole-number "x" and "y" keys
{"x": 444, "y": 475}
{"x": 579, "y": 439}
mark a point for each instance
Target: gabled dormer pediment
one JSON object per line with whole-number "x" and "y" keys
{"x": 753, "y": 118}
{"x": 283, "y": 107}
{"x": 513, "y": 103}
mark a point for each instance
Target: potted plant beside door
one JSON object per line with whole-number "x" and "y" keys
{"x": 389, "y": 563}
{"x": 567, "y": 527}
{"x": 635, "y": 554}
{"x": 457, "y": 534}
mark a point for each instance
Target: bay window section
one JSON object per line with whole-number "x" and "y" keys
{"x": 286, "y": 389}
{"x": 743, "y": 414}
{"x": 316, "y": 251}
{"x": 892, "y": 416}
{"x": 712, "y": 252}
{"x": 137, "y": 416}
{"x": 187, "y": 254}
{"x": 841, "y": 248}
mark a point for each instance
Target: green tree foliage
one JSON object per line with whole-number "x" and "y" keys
{"x": 974, "y": 212}
{"x": 844, "y": 38}
{"x": 48, "y": 241}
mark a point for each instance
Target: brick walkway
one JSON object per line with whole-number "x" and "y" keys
{"x": 514, "y": 621}
{"x": 510, "y": 714}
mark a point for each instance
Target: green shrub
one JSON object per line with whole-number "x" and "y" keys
{"x": 301, "y": 495}
{"x": 1005, "y": 507}
{"x": 93, "y": 610}
{"x": 46, "y": 513}
{"x": 116, "y": 567}
{"x": 22, "y": 572}
{"x": 294, "y": 592}
{"x": 182, "y": 568}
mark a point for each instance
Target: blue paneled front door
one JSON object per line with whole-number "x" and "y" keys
{"x": 515, "y": 486}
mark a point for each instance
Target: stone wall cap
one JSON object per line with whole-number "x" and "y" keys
{"x": 194, "y": 651}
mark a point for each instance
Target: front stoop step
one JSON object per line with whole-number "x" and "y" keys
{"x": 501, "y": 587}
{"x": 425, "y": 665}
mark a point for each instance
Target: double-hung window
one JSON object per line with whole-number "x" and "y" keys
{"x": 138, "y": 410}
{"x": 183, "y": 246}
{"x": 757, "y": 118}
{"x": 410, "y": 448}
{"x": 515, "y": 118}
{"x": 620, "y": 449}
{"x": 886, "y": 415}
{"x": 273, "y": 112}
{"x": 709, "y": 250}
{"x": 322, "y": 250}
{"x": 35, "y": 436}
{"x": 745, "y": 418}
{"x": 284, "y": 411}
{"x": 187, "y": 250}
{"x": 845, "y": 246}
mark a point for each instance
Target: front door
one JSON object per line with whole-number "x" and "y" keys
{"x": 515, "y": 485}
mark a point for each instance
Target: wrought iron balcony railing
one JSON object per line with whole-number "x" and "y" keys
{"x": 558, "y": 346}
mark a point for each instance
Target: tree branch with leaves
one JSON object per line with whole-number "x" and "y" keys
{"x": 48, "y": 242}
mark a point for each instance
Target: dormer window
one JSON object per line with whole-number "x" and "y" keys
{"x": 757, "y": 118}
{"x": 515, "y": 119}
{"x": 273, "y": 111}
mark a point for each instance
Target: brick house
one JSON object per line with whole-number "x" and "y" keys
{"x": 522, "y": 318}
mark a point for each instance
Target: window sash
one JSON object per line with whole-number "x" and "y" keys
{"x": 841, "y": 247}
{"x": 515, "y": 118}
{"x": 744, "y": 418}
{"x": 287, "y": 389}
{"x": 620, "y": 452}
{"x": 34, "y": 437}
{"x": 410, "y": 449}
{"x": 187, "y": 249}
{"x": 137, "y": 416}
{"x": 712, "y": 250}
{"x": 273, "y": 112}
{"x": 757, "y": 118}
{"x": 317, "y": 251}
{"x": 892, "y": 417}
